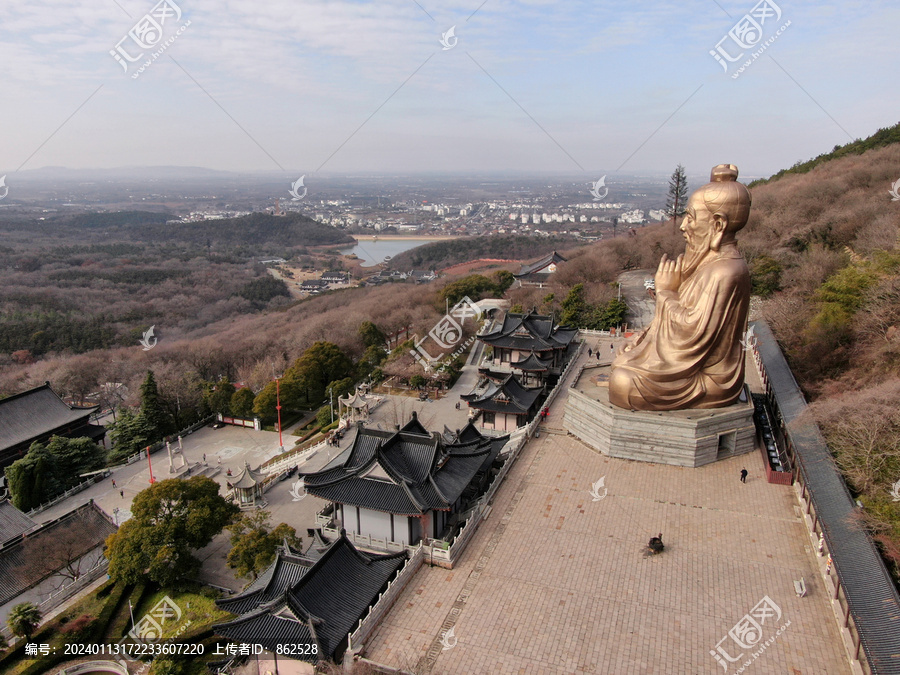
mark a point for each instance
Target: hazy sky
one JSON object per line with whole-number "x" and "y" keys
{"x": 337, "y": 85}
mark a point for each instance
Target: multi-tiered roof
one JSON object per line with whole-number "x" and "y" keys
{"x": 407, "y": 472}
{"x": 530, "y": 332}
{"x": 507, "y": 396}
{"x": 309, "y": 606}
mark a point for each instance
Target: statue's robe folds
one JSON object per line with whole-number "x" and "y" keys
{"x": 691, "y": 356}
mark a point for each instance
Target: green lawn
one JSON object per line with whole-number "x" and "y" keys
{"x": 197, "y": 607}
{"x": 194, "y": 606}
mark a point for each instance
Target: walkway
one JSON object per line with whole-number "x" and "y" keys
{"x": 641, "y": 306}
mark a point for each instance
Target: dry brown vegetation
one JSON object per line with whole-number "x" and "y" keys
{"x": 822, "y": 246}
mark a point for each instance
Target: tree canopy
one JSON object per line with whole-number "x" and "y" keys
{"x": 219, "y": 396}
{"x": 24, "y": 619}
{"x": 169, "y": 519}
{"x": 474, "y": 286}
{"x": 152, "y": 409}
{"x": 371, "y": 335}
{"x": 310, "y": 375}
{"x": 254, "y": 543}
{"x": 242, "y": 403}
{"x": 578, "y": 313}
{"x": 129, "y": 434}
{"x": 676, "y": 201}
{"x": 51, "y": 468}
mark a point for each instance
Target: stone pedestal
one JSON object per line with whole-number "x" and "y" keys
{"x": 681, "y": 437}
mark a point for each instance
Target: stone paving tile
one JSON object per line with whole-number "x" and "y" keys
{"x": 559, "y": 583}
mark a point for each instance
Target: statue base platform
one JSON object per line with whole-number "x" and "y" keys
{"x": 679, "y": 437}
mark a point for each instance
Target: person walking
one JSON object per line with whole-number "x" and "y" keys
{"x": 743, "y": 475}
{"x": 114, "y": 482}
{"x": 590, "y": 353}
{"x": 122, "y": 494}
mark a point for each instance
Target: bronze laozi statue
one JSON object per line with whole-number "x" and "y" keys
{"x": 691, "y": 355}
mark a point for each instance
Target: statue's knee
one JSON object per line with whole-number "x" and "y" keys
{"x": 621, "y": 384}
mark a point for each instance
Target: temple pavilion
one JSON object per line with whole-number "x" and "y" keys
{"x": 523, "y": 335}
{"x": 248, "y": 487}
{"x": 505, "y": 405}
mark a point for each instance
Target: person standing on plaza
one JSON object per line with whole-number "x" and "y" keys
{"x": 743, "y": 475}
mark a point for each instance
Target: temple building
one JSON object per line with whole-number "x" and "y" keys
{"x": 45, "y": 564}
{"x": 309, "y": 606}
{"x": 13, "y": 522}
{"x": 538, "y": 273}
{"x": 406, "y": 485}
{"x": 35, "y": 416}
{"x": 505, "y": 405}
{"x": 532, "y": 371}
{"x": 529, "y": 334}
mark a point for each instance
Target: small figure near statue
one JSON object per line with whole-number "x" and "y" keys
{"x": 691, "y": 355}
{"x": 656, "y": 545}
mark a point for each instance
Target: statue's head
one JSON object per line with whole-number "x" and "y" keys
{"x": 715, "y": 212}
{"x": 724, "y": 195}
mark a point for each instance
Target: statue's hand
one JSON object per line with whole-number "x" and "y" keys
{"x": 668, "y": 275}
{"x": 634, "y": 342}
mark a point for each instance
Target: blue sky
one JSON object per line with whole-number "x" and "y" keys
{"x": 540, "y": 87}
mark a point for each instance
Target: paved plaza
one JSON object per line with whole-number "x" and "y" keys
{"x": 557, "y": 582}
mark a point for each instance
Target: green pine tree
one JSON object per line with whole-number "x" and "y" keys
{"x": 153, "y": 410}
{"x": 676, "y": 202}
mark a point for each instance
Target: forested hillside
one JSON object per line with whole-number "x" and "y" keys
{"x": 97, "y": 280}
{"x": 823, "y": 245}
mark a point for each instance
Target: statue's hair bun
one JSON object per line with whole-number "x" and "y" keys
{"x": 723, "y": 173}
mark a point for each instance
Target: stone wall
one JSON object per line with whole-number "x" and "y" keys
{"x": 682, "y": 438}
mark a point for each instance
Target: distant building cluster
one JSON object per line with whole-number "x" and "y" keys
{"x": 540, "y": 215}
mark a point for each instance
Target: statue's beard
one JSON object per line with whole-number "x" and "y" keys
{"x": 694, "y": 254}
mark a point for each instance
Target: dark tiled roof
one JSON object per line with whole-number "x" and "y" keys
{"x": 498, "y": 375}
{"x": 27, "y": 561}
{"x": 870, "y": 592}
{"x": 407, "y": 472}
{"x": 548, "y": 259}
{"x": 468, "y": 434}
{"x": 271, "y": 584}
{"x": 509, "y": 397}
{"x": 13, "y": 522}
{"x": 248, "y": 477}
{"x": 533, "y": 363}
{"x": 322, "y": 606}
{"x": 34, "y": 413}
{"x": 530, "y": 332}
{"x": 314, "y": 283}
{"x": 489, "y": 391}
{"x": 379, "y": 495}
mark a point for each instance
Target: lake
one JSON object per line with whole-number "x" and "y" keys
{"x": 374, "y": 252}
